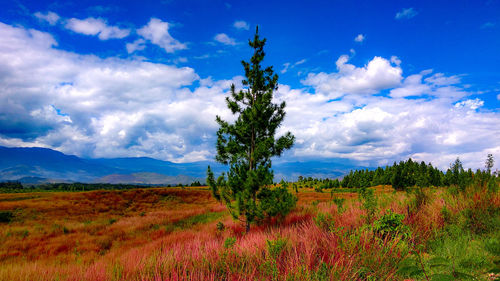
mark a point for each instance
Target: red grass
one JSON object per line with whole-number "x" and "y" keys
{"x": 71, "y": 237}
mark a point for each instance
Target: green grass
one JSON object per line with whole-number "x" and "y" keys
{"x": 194, "y": 220}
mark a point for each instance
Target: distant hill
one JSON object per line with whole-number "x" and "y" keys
{"x": 38, "y": 165}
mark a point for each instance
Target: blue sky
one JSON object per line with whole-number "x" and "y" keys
{"x": 369, "y": 81}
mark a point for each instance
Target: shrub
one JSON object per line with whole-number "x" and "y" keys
{"x": 391, "y": 224}
{"x": 492, "y": 185}
{"x": 340, "y": 204}
{"x": 277, "y": 202}
{"x": 276, "y": 247}
{"x": 229, "y": 242}
{"x": 324, "y": 221}
{"x": 220, "y": 226}
{"x": 447, "y": 216}
{"x": 369, "y": 203}
{"x": 6, "y": 216}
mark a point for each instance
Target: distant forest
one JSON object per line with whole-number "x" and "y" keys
{"x": 403, "y": 175}
{"x": 400, "y": 176}
{"x": 15, "y": 186}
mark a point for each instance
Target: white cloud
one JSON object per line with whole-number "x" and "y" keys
{"x": 360, "y": 38}
{"x": 377, "y": 75}
{"x": 472, "y": 104}
{"x": 224, "y": 39}
{"x": 286, "y": 65}
{"x": 406, "y": 14}
{"x": 240, "y": 24}
{"x": 137, "y": 45}
{"x": 50, "y": 17}
{"x": 156, "y": 31}
{"x": 412, "y": 86}
{"x": 395, "y": 60}
{"x": 498, "y": 97}
{"x": 112, "y": 107}
{"x": 99, "y": 27}
{"x": 101, "y": 107}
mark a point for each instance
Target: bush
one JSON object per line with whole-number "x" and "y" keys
{"x": 6, "y": 216}
{"x": 340, "y": 204}
{"x": 369, "y": 203}
{"x": 276, "y": 202}
{"x": 390, "y": 225}
{"x": 229, "y": 243}
{"x": 492, "y": 185}
{"x": 276, "y": 247}
{"x": 324, "y": 221}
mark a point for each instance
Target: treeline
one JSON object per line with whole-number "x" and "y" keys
{"x": 405, "y": 174}
{"x": 16, "y": 186}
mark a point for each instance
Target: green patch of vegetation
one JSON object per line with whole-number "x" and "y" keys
{"x": 193, "y": 220}
{"x": 18, "y": 198}
{"x": 6, "y": 216}
{"x": 324, "y": 221}
{"x": 391, "y": 224}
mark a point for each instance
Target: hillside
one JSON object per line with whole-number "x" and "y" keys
{"x": 47, "y": 165}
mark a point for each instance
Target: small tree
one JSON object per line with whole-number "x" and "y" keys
{"x": 489, "y": 163}
{"x": 248, "y": 145}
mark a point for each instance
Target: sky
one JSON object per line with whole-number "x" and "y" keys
{"x": 366, "y": 81}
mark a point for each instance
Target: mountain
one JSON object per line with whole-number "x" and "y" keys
{"x": 36, "y": 165}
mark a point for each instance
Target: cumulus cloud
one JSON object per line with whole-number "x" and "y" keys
{"x": 224, "y": 39}
{"x": 50, "y": 17}
{"x": 99, "y": 27}
{"x": 379, "y": 129}
{"x": 360, "y": 38}
{"x": 156, "y": 31}
{"x": 112, "y": 107}
{"x": 406, "y": 14}
{"x": 377, "y": 75}
{"x": 240, "y": 24}
{"x": 95, "y": 107}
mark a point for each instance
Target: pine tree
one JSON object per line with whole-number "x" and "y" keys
{"x": 248, "y": 144}
{"x": 490, "y": 161}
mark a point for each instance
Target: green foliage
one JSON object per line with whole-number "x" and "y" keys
{"x": 6, "y": 216}
{"x": 275, "y": 202}
{"x": 390, "y": 225}
{"x": 400, "y": 175}
{"x": 248, "y": 144}
{"x": 229, "y": 242}
{"x": 193, "y": 220}
{"x": 276, "y": 247}
{"x": 448, "y": 217}
{"x": 340, "y": 204}
{"x": 220, "y": 226}
{"x": 324, "y": 221}
{"x": 435, "y": 269}
{"x": 369, "y": 203}
{"x": 419, "y": 199}
{"x": 492, "y": 185}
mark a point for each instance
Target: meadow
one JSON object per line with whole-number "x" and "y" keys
{"x": 184, "y": 234}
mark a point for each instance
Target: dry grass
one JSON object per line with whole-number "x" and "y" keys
{"x": 171, "y": 234}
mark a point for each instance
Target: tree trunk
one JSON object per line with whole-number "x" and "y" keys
{"x": 247, "y": 229}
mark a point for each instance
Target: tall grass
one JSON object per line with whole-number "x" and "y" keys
{"x": 174, "y": 234}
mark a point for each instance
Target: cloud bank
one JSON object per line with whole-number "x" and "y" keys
{"x": 118, "y": 107}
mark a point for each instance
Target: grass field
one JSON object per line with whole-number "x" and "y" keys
{"x": 184, "y": 234}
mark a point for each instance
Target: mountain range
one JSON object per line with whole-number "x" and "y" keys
{"x": 39, "y": 165}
